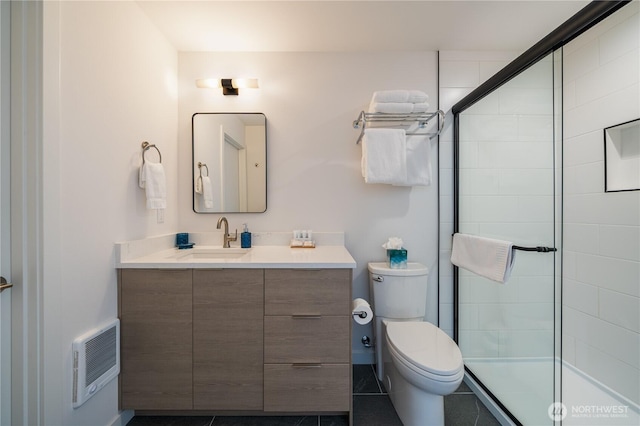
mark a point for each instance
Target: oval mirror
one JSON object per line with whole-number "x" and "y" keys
{"x": 229, "y": 162}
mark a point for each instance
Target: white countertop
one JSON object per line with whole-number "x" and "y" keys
{"x": 158, "y": 253}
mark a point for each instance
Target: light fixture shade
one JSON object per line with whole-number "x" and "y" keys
{"x": 245, "y": 83}
{"x": 229, "y": 86}
{"x": 208, "y": 83}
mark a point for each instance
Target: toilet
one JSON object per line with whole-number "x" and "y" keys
{"x": 416, "y": 361}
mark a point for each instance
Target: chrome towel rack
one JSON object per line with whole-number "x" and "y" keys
{"x": 421, "y": 118}
{"x": 146, "y": 146}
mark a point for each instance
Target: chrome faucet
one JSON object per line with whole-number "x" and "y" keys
{"x": 227, "y": 237}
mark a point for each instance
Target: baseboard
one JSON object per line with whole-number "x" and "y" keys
{"x": 122, "y": 418}
{"x": 363, "y": 357}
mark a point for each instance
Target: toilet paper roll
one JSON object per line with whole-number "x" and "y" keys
{"x": 361, "y": 311}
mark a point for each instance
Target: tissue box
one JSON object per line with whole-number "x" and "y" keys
{"x": 397, "y": 258}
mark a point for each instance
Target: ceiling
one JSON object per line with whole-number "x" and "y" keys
{"x": 344, "y": 26}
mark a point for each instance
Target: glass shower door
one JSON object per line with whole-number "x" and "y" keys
{"x": 507, "y": 190}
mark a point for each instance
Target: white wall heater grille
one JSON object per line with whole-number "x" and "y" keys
{"x": 96, "y": 361}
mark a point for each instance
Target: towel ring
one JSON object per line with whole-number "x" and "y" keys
{"x": 145, "y": 146}
{"x": 200, "y": 166}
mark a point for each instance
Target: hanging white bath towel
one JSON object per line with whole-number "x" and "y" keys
{"x": 486, "y": 257}
{"x": 207, "y": 192}
{"x": 384, "y": 156}
{"x": 152, "y": 179}
{"x": 418, "y": 161}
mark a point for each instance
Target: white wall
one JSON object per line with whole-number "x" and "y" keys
{"x": 460, "y": 73}
{"x": 110, "y": 83}
{"x": 314, "y": 180}
{"x": 601, "y": 273}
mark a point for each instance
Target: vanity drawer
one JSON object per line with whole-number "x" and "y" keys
{"x": 307, "y": 387}
{"x": 307, "y": 292}
{"x": 306, "y": 339}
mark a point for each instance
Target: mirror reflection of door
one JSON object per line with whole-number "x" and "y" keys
{"x": 229, "y": 150}
{"x": 233, "y": 191}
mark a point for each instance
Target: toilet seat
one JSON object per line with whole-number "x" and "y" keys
{"x": 425, "y": 349}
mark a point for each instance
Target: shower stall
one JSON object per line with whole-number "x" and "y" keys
{"x": 559, "y": 343}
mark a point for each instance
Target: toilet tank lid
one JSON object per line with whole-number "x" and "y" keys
{"x": 412, "y": 269}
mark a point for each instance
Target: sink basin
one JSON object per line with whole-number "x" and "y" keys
{"x": 210, "y": 253}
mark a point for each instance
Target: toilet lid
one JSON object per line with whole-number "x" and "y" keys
{"x": 425, "y": 346}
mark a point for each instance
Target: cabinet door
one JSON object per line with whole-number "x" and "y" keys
{"x": 227, "y": 338}
{"x": 155, "y": 310}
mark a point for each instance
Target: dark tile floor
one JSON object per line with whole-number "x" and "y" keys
{"x": 371, "y": 407}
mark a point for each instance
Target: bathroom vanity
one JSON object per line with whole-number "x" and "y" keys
{"x": 259, "y": 331}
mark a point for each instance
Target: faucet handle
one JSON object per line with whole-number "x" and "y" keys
{"x": 234, "y": 238}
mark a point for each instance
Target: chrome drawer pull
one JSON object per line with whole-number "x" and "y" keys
{"x": 308, "y": 365}
{"x": 306, "y": 316}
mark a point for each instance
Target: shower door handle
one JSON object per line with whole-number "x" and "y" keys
{"x": 4, "y": 284}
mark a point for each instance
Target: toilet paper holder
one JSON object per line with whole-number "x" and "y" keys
{"x": 361, "y": 314}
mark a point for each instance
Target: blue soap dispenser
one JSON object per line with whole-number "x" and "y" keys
{"x": 245, "y": 237}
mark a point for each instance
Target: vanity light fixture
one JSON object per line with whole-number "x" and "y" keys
{"x": 229, "y": 86}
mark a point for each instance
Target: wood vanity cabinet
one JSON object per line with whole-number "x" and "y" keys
{"x": 307, "y": 340}
{"x": 235, "y": 340}
{"x": 228, "y": 314}
{"x": 155, "y": 310}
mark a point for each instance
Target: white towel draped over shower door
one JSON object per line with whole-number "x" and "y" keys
{"x": 486, "y": 257}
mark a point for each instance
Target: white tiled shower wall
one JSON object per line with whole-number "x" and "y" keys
{"x": 459, "y": 73}
{"x": 601, "y": 274}
{"x": 506, "y": 192}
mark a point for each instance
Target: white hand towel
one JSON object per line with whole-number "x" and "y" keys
{"x": 417, "y": 97}
{"x": 390, "y": 96}
{"x": 391, "y": 107}
{"x": 384, "y": 156}
{"x": 207, "y": 192}
{"x": 487, "y": 257}
{"x": 152, "y": 179}
{"x": 418, "y": 161}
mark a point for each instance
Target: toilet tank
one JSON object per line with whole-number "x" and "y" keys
{"x": 399, "y": 293}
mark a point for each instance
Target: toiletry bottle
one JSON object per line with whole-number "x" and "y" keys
{"x": 245, "y": 237}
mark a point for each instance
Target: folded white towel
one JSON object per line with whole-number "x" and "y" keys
{"x": 384, "y": 156}
{"x": 421, "y": 107}
{"x": 418, "y": 161}
{"x": 395, "y": 96}
{"x": 417, "y": 97}
{"x": 207, "y": 192}
{"x": 391, "y": 107}
{"x": 487, "y": 257}
{"x": 399, "y": 96}
{"x": 152, "y": 179}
